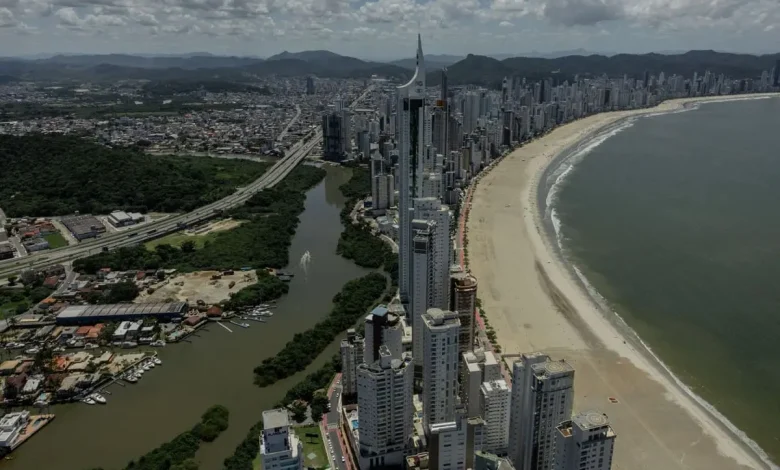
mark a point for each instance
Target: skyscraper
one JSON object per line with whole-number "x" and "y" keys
{"x": 463, "y": 299}
{"x": 384, "y": 409}
{"x": 280, "y": 448}
{"x": 382, "y": 328}
{"x": 542, "y": 398}
{"x": 440, "y": 366}
{"x": 495, "y": 399}
{"x": 310, "y": 85}
{"x": 585, "y": 441}
{"x": 334, "y": 143}
{"x": 431, "y": 208}
{"x": 351, "y": 355}
{"x": 423, "y": 242}
{"x": 410, "y": 110}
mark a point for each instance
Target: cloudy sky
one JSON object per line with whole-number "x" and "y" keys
{"x": 385, "y": 29}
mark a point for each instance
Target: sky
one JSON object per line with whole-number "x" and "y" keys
{"x": 386, "y": 29}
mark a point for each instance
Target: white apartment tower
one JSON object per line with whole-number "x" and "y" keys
{"x": 476, "y": 368}
{"x": 280, "y": 448}
{"x": 431, "y": 208}
{"x": 351, "y": 355}
{"x": 585, "y": 442}
{"x": 422, "y": 288}
{"x": 542, "y": 398}
{"x": 384, "y": 409}
{"x": 440, "y": 366}
{"x": 495, "y": 400}
{"x": 410, "y": 135}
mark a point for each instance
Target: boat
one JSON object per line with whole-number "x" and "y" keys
{"x": 238, "y": 323}
{"x": 131, "y": 378}
{"x": 98, "y": 398}
{"x": 157, "y": 360}
{"x": 158, "y": 343}
{"x": 149, "y": 365}
{"x": 91, "y": 346}
{"x": 88, "y": 401}
{"x": 139, "y": 372}
{"x": 33, "y": 350}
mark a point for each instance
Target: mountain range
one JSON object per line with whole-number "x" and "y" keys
{"x": 472, "y": 69}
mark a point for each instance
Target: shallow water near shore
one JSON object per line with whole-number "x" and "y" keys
{"x": 674, "y": 221}
{"x": 215, "y": 367}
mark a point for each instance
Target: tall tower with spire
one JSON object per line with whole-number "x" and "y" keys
{"x": 411, "y": 119}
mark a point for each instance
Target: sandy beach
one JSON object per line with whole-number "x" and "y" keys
{"x": 535, "y": 303}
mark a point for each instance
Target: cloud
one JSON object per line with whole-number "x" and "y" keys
{"x": 506, "y": 24}
{"x": 7, "y": 18}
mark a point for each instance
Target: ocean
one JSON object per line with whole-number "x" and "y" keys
{"x": 675, "y": 220}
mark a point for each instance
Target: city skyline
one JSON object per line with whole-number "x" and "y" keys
{"x": 380, "y": 29}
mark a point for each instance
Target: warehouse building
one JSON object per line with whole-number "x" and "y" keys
{"x": 83, "y": 226}
{"x": 92, "y": 314}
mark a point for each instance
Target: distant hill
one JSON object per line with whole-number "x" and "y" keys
{"x": 473, "y": 69}
{"x": 488, "y": 71}
{"x": 119, "y": 66}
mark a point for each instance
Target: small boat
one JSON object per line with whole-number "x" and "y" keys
{"x": 149, "y": 365}
{"x": 158, "y": 343}
{"x": 88, "y": 401}
{"x": 98, "y": 398}
{"x": 131, "y": 378}
{"x": 90, "y": 346}
{"x": 33, "y": 350}
{"x": 139, "y": 372}
{"x": 157, "y": 360}
{"x": 58, "y": 349}
{"x": 241, "y": 324}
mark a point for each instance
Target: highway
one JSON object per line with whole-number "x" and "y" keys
{"x": 129, "y": 237}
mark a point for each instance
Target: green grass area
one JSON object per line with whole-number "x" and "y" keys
{"x": 56, "y": 240}
{"x": 312, "y": 445}
{"x": 177, "y": 238}
{"x": 8, "y": 309}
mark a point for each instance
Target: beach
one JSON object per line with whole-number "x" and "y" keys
{"x": 536, "y": 302}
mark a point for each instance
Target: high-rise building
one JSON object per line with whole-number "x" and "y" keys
{"x": 440, "y": 366}
{"x": 382, "y": 328}
{"x": 410, "y": 135}
{"x": 351, "y": 355}
{"x": 506, "y": 92}
{"x": 310, "y": 85}
{"x": 280, "y": 448}
{"x": 334, "y": 136}
{"x": 384, "y": 410}
{"x": 776, "y": 74}
{"x": 495, "y": 400}
{"x": 431, "y": 208}
{"x": 423, "y": 244}
{"x": 471, "y": 108}
{"x": 463, "y": 299}
{"x": 476, "y": 368}
{"x": 585, "y": 442}
{"x": 542, "y": 398}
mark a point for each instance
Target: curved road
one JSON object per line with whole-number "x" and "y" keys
{"x": 170, "y": 224}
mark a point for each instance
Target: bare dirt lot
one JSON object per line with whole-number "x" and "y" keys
{"x": 199, "y": 285}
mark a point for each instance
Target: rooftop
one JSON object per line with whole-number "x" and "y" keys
{"x": 277, "y": 418}
{"x": 122, "y": 309}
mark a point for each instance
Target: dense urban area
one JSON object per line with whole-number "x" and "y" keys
{"x": 136, "y": 211}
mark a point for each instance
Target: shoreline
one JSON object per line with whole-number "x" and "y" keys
{"x": 577, "y": 323}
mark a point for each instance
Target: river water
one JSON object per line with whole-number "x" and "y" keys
{"x": 214, "y": 368}
{"x": 675, "y": 222}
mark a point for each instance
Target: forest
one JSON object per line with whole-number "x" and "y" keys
{"x": 353, "y": 301}
{"x": 47, "y": 175}
{"x": 262, "y": 241}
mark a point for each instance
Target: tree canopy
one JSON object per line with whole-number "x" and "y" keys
{"x": 45, "y": 175}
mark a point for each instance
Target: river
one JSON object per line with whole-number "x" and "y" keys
{"x": 214, "y": 368}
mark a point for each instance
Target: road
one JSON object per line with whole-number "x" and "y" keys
{"x": 112, "y": 241}
{"x": 283, "y": 134}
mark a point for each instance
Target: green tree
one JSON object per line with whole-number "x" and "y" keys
{"x": 188, "y": 246}
{"x": 298, "y": 409}
{"x": 12, "y": 280}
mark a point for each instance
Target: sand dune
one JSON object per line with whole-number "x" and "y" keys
{"x": 535, "y": 303}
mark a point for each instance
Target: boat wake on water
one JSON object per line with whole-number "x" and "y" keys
{"x": 304, "y": 262}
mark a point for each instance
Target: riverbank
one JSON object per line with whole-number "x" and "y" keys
{"x": 536, "y": 302}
